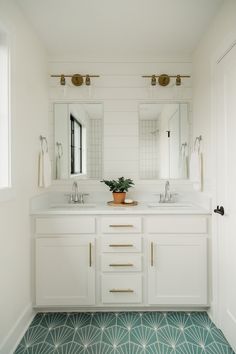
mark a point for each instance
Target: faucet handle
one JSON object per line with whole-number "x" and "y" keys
{"x": 173, "y": 197}
{"x": 82, "y": 195}
{"x": 70, "y": 199}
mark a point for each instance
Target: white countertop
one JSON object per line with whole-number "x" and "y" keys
{"x": 103, "y": 209}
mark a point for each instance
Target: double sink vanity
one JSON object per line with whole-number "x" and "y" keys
{"x": 89, "y": 255}
{"x": 94, "y": 256}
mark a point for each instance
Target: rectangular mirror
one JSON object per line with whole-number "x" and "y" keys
{"x": 78, "y": 140}
{"x": 164, "y": 135}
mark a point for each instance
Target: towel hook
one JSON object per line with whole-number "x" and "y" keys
{"x": 44, "y": 142}
{"x": 197, "y": 141}
{"x": 59, "y": 149}
{"x": 183, "y": 147}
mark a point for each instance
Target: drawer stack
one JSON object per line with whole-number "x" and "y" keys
{"x": 121, "y": 260}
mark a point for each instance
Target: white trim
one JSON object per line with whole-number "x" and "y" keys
{"x": 226, "y": 52}
{"x": 3, "y": 196}
{"x": 159, "y": 308}
{"x": 160, "y": 60}
{"x": 222, "y": 50}
{"x": 14, "y": 336}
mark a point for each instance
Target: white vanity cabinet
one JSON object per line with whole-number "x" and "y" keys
{"x": 177, "y": 260}
{"x": 65, "y": 262}
{"x": 111, "y": 261}
{"x": 121, "y": 260}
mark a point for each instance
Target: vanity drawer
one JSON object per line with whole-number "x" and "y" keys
{"x": 124, "y": 225}
{"x": 121, "y": 244}
{"x": 118, "y": 289}
{"x": 177, "y": 224}
{"x": 121, "y": 262}
{"x": 66, "y": 225}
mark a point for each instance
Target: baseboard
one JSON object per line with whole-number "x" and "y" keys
{"x": 120, "y": 309}
{"x": 16, "y": 333}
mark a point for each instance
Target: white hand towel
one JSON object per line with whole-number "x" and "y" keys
{"x": 196, "y": 170}
{"x": 58, "y": 167}
{"x": 183, "y": 165}
{"x": 45, "y": 173}
{"x": 40, "y": 170}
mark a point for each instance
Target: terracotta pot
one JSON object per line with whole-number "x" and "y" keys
{"x": 119, "y": 197}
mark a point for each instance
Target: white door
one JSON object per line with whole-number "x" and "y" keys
{"x": 65, "y": 271}
{"x": 225, "y": 148}
{"x": 177, "y": 273}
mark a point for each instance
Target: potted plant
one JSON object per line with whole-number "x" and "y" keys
{"x": 119, "y": 188}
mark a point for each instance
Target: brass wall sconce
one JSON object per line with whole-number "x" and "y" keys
{"x": 164, "y": 79}
{"x": 76, "y": 79}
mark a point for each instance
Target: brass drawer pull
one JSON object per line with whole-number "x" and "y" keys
{"x": 121, "y": 245}
{"x": 121, "y": 291}
{"x": 90, "y": 254}
{"x": 121, "y": 265}
{"x": 152, "y": 251}
{"x": 121, "y": 225}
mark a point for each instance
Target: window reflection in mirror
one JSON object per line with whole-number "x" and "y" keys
{"x": 163, "y": 140}
{"x": 76, "y": 146}
{"x": 78, "y": 140}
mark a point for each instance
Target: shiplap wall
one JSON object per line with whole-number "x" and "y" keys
{"x": 121, "y": 89}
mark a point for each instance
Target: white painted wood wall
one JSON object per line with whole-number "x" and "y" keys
{"x": 121, "y": 88}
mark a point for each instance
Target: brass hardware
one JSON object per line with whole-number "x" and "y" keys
{"x": 121, "y": 225}
{"x": 152, "y": 254}
{"x": 164, "y": 79}
{"x": 153, "y": 80}
{"x": 87, "y": 80}
{"x": 90, "y": 254}
{"x": 121, "y": 245}
{"x": 121, "y": 291}
{"x": 76, "y": 79}
{"x": 178, "y": 80}
{"x": 121, "y": 265}
{"x": 62, "y": 80}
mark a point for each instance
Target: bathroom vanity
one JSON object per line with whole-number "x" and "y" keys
{"x": 103, "y": 257}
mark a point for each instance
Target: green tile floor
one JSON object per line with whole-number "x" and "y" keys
{"x": 123, "y": 333}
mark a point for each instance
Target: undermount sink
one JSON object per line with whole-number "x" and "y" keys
{"x": 170, "y": 205}
{"x": 73, "y": 206}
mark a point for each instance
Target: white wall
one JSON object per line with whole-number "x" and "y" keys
{"x": 220, "y": 29}
{"x": 120, "y": 88}
{"x": 29, "y": 120}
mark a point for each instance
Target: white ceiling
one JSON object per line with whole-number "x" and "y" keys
{"x": 120, "y": 28}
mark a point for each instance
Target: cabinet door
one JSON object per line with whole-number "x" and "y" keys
{"x": 177, "y": 272}
{"x": 65, "y": 271}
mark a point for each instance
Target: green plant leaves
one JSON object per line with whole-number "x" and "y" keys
{"x": 120, "y": 185}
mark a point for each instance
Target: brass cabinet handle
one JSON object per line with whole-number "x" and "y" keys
{"x": 152, "y": 254}
{"x": 90, "y": 254}
{"x": 121, "y": 245}
{"x": 121, "y": 265}
{"x": 121, "y": 225}
{"x": 121, "y": 291}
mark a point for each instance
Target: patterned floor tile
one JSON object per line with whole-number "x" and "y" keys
{"x": 88, "y": 336}
{"x": 78, "y": 320}
{"x": 198, "y": 335}
{"x": 180, "y": 320}
{"x": 154, "y": 320}
{"x": 129, "y": 320}
{"x": 59, "y": 336}
{"x": 123, "y": 333}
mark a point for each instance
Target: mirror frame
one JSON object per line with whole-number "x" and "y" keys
{"x": 190, "y": 120}
{"x": 82, "y": 176}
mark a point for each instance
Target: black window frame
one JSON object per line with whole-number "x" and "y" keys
{"x": 73, "y": 122}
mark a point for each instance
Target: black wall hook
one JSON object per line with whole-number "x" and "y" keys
{"x": 219, "y": 210}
